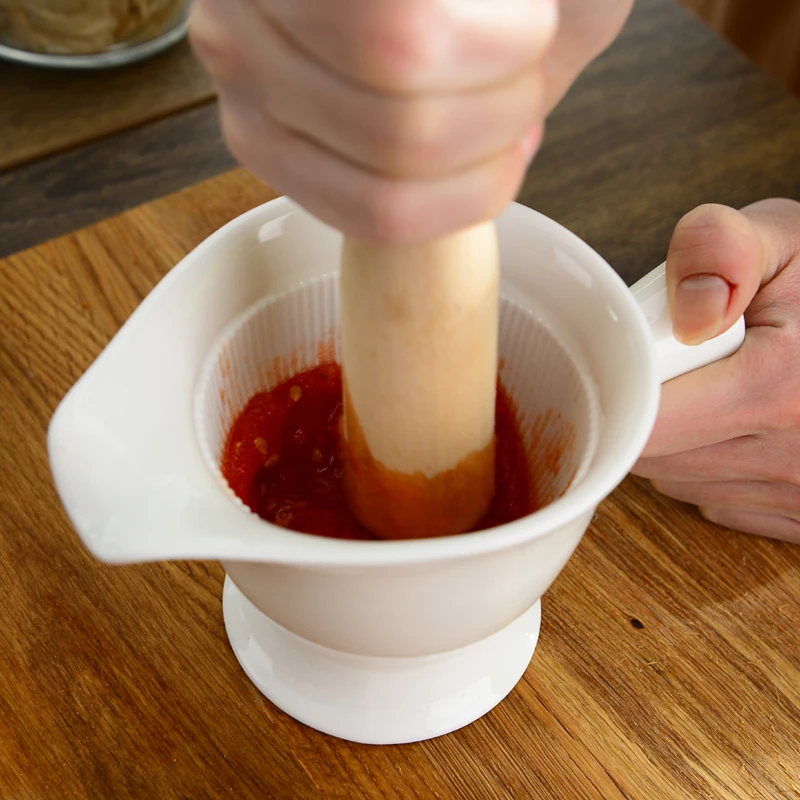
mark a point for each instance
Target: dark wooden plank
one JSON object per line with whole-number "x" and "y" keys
{"x": 670, "y": 117}
{"x": 45, "y": 111}
{"x": 58, "y": 194}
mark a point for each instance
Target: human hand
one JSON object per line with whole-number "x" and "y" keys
{"x": 727, "y": 437}
{"x": 395, "y": 121}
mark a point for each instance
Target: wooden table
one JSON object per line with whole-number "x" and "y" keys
{"x": 43, "y": 112}
{"x": 669, "y": 660}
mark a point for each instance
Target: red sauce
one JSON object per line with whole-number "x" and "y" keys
{"x": 282, "y": 458}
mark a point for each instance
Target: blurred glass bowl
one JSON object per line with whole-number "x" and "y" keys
{"x": 89, "y": 34}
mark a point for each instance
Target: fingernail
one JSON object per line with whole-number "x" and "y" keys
{"x": 530, "y": 141}
{"x": 701, "y": 303}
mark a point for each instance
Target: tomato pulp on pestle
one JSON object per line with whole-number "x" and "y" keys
{"x": 282, "y": 458}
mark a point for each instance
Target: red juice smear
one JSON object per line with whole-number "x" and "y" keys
{"x": 282, "y": 458}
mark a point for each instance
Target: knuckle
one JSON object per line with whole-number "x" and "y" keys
{"x": 699, "y": 237}
{"x": 537, "y": 93}
{"x": 246, "y": 139}
{"x": 777, "y": 372}
{"x": 546, "y": 22}
{"x": 710, "y": 514}
{"x": 505, "y": 187}
{"x": 410, "y": 142}
{"x": 793, "y": 501}
{"x": 792, "y": 475}
{"x": 214, "y": 42}
{"x": 388, "y": 214}
{"x": 235, "y": 134}
{"x": 716, "y": 239}
{"x": 788, "y": 414}
{"x": 404, "y": 43}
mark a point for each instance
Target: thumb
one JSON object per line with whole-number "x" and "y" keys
{"x": 747, "y": 250}
{"x": 716, "y": 263}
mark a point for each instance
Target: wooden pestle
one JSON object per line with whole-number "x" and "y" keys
{"x": 419, "y": 358}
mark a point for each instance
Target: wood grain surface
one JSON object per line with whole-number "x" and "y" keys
{"x": 669, "y": 659}
{"x": 55, "y": 195}
{"x": 43, "y": 111}
{"x": 668, "y": 664}
{"x": 768, "y": 34}
{"x": 671, "y": 116}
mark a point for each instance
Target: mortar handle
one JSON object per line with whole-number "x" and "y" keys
{"x": 673, "y": 357}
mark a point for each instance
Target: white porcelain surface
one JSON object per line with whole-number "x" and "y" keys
{"x": 378, "y": 700}
{"x": 122, "y": 444}
{"x": 672, "y": 357}
{"x": 128, "y": 469}
{"x": 397, "y": 610}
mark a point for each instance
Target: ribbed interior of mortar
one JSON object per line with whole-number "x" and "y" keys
{"x": 282, "y": 335}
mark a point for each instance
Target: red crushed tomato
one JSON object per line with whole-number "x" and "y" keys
{"x": 282, "y": 458}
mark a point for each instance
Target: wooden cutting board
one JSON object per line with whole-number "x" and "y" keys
{"x": 668, "y": 664}
{"x": 44, "y": 111}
